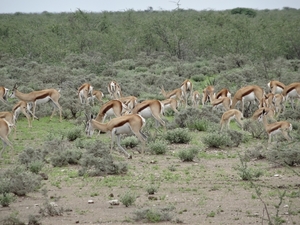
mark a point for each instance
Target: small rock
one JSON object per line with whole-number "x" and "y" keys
{"x": 111, "y": 195}
{"x": 276, "y": 175}
{"x": 114, "y": 202}
{"x": 53, "y": 204}
{"x": 90, "y": 201}
{"x": 286, "y": 206}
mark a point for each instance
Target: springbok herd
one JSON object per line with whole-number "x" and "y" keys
{"x": 129, "y": 114}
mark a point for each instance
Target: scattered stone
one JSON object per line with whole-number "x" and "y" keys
{"x": 276, "y": 175}
{"x": 114, "y": 202}
{"x": 90, "y": 202}
{"x": 111, "y": 195}
{"x": 286, "y": 206}
{"x": 36, "y": 205}
{"x": 44, "y": 176}
{"x": 53, "y": 204}
{"x": 77, "y": 221}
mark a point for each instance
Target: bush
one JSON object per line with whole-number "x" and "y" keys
{"x": 128, "y": 199}
{"x": 198, "y": 124}
{"x": 97, "y": 161}
{"x": 6, "y": 199}
{"x": 154, "y": 215}
{"x": 284, "y": 153}
{"x": 158, "y": 147}
{"x": 178, "y": 136}
{"x": 151, "y": 189}
{"x": 74, "y": 133}
{"x": 30, "y": 155}
{"x": 256, "y": 128}
{"x": 216, "y": 139}
{"x": 19, "y": 181}
{"x": 130, "y": 142}
{"x": 188, "y": 155}
{"x": 64, "y": 157}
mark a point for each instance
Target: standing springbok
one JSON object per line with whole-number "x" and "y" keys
{"x": 3, "y": 94}
{"x": 220, "y": 102}
{"x": 274, "y": 128}
{"x": 114, "y": 89}
{"x": 127, "y": 124}
{"x": 170, "y": 103}
{"x": 84, "y": 91}
{"x": 229, "y": 115}
{"x": 292, "y": 91}
{"x": 39, "y": 97}
{"x": 111, "y": 108}
{"x": 247, "y": 94}
{"x": 207, "y": 92}
{"x": 195, "y": 99}
{"x": 276, "y": 86}
{"x": 4, "y": 132}
{"x": 187, "y": 90}
{"x": 95, "y": 95}
{"x": 23, "y": 107}
{"x": 150, "y": 108}
{"x": 176, "y": 94}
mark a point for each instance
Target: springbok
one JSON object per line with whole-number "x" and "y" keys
{"x": 207, "y": 92}
{"x": 150, "y": 108}
{"x": 187, "y": 90}
{"x": 129, "y": 101}
{"x": 84, "y": 91}
{"x": 292, "y": 91}
{"x": 229, "y": 115}
{"x": 283, "y": 127}
{"x": 114, "y": 89}
{"x": 3, "y": 94}
{"x": 224, "y": 92}
{"x": 23, "y": 107}
{"x": 111, "y": 108}
{"x": 127, "y": 124}
{"x": 176, "y": 94}
{"x": 95, "y": 95}
{"x": 217, "y": 103}
{"x": 247, "y": 94}
{"x": 5, "y": 128}
{"x": 170, "y": 103}
{"x": 195, "y": 99}
{"x": 276, "y": 86}
{"x": 39, "y": 97}
{"x": 269, "y": 112}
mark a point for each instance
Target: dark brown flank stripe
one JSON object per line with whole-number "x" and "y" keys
{"x": 16, "y": 106}
{"x": 83, "y": 87}
{"x": 275, "y": 128}
{"x": 42, "y": 96}
{"x": 107, "y": 107}
{"x": 279, "y": 85}
{"x": 248, "y": 92}
{"x": 289, "y": 89}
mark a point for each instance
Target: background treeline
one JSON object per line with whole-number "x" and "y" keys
{"x": 185, "y": 34}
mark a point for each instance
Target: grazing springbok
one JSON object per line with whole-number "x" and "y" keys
{"x": 221, "y": 102}
{"x": 95, "y": 95}
{"x": 276, "y": 86}
{"x": 270, "y": 113}
{"x": 5, "y": 128}
{"x": 150, "y": 108}
{"x": 247, "y": 94}
{"x": 196, "y": 99}
{"x": 39, "y": 97}
{"x": 278, "y": 102}
{"x": 111, "y": 108}
{"x": 283, "y": 127}
{"x": 224, "y": 92}
{"x": 187, "y": 90}
{"x": 23, "y": 107}
{"x": 129, "y": 101}
{"x": 114, "y": 89}
{"x": 3, "y": 94}
{"x": 229, "y": 115}
{"x": 127, "y": 124}
{"x": 207, "y": 92}
{"x": 176, "y": 94}
{"x": 170, "y": 103}
{"x": 84, "y": 91}
{"x": 292, "y": 91}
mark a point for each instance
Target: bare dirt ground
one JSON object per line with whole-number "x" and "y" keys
{"x": 206, "y": 191}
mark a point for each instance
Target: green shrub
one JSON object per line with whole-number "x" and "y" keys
{"x": 31, "y": 156}
{"x": 36, "y": 166}
{"x": 97, "y": 161}
{"x": 154, "y": 215}
{"x": 151, "y": 189}
{"x": 63, "y": 157}
{"x": 12, "y": 220}
{"x": 158, "y": 147}
{"x": 216, "y": 139}
{"x": 128, "y": 199}
{"x": 256, "y": 128}
{"x": 178, "y": 136}
{"x": 284, "y": 153}
{"x": 188, "y": 155}
{"x": 6, "y": 199}
{"x": 130, "y": 142}
{"x": 198, "y": 124}
{"x": 19, "y": 181}
{"x": 198, "y": 78}
{"x": 74, "y": 133}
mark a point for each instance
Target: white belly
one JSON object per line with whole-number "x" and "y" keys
{"x": 293, "y": 94}
{"x": 43, "y": 100}
{"x": 124, "y": 129}
{"x": 110, "y": 112}
{"x": 146, "y": 113}
{"x": 249, "y": 97}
